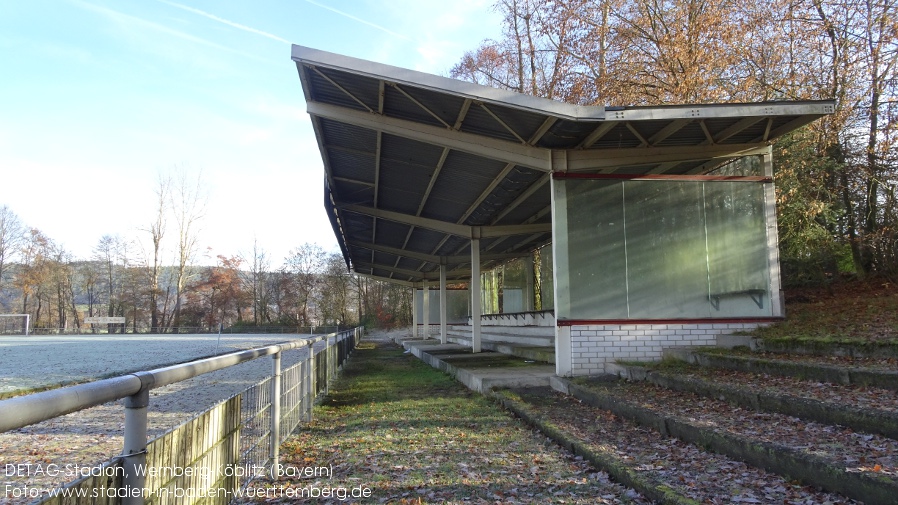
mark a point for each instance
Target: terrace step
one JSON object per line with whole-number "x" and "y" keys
{"x": 861, "y": 371}
{"x": 538, "y": 336}
{"x": 873, "y": 410}
{"x": 858, "y": 465}
{"x": 666, "y": 470}
{"x": 545, "y": 354}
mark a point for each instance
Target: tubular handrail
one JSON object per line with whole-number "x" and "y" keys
{"x": 25, "y": 410}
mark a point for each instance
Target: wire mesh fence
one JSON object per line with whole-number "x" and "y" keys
{"x": 290, "y": 392}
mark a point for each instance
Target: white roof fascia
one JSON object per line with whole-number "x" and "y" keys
{"x": 464, "y": 89}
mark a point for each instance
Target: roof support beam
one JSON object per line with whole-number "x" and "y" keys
{"x": 597, "y": 134}
{"x": 509, "y": 152}
{"x": 786, "y": 128}
{"x": 386, "y": 279}
{"x": 736, "y": 128}
{"x": 431, "y": 258}
{"x": 642, "y": 141}
{"x": 401, "y": 271}
{"x": 444, "y": 227}
{"x": 522, "y": 197}
{"x": 419, "y": 104}
{"x": 503, "y": 123}
{"x": 354, "y": 181}
{"x": 667, "y": 131}
{"x": 486, "y": 192}
{"x": 341, "y": 88}
{"x": 423, "y": 222}
{"x": 614, "y": 158}
{"x": 543, "y": 128}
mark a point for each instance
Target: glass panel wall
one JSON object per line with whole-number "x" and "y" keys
{"x": 596, "y": 238}
{"x": 457, "y": 304}
{"x": 521, "y": 285}
{"x": 545, "y": 298}
{"x": 661, "y": 249}
{"x": 514, "y": 286}
{"x": 490, "y": 294}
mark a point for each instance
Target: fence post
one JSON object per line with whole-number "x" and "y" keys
{"x": 274, "y": 439}
{"x": 134, "y": 451}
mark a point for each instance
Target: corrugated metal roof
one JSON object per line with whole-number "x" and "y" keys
{"x": 418, "y": 164}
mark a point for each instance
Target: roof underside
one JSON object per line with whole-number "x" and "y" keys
{"x": 416, "y": 165}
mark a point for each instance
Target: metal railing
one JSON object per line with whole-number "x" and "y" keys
{"x": 268, "y": 411}
{"x": 117, "y": 329}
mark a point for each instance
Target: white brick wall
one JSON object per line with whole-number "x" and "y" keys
{"x": 594, "y": 345}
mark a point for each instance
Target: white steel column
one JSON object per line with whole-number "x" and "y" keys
{"x": 475, "y": 295}
{"x": 426, "y": 309}
{"x": 773, "y": 250}
{"x": 529, "y": 295}
{"x": 563, "y": 353}
{"x": 414, "y": 312}
{"x": 443, "y": 302}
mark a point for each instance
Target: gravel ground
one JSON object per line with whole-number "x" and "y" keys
{"x": 859, "y": 396}
{"x": 854, "y": 451}
{"x": 92, "y": 436}
{"x": 44, "y": 361}
{"x": 705, "y": 477}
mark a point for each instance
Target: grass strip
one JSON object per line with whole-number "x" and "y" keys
{"x": 412, "y": 434}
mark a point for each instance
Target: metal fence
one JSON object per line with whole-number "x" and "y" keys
{"x": 223, "y": 448}
{"x": 119, "y": 329}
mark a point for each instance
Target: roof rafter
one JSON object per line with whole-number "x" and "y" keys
{"x": 509, "y": 152}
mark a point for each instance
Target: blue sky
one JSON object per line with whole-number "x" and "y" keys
{"x": 97, "y": 97}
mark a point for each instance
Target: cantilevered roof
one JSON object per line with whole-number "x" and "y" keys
{"x": 416, "y": 164}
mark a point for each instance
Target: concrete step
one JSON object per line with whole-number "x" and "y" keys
{"x": 665, "y": 471}
{"x": 534, "y": 353}
{"x": 856, "y": 371}
{"x": 515, "y": 331}
{"x": 487, "y": 334}
{"x": 827, "y": 457}
{"x": 482, "y": 371}
{"x": 810, "y": 401}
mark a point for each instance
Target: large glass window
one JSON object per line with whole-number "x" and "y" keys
{"x": 457, "y": 305}
{"x": 660, "y": 249}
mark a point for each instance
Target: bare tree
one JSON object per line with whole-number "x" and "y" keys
{"x": 10, "y": 238}
{"x": 302, "y": 271}
{"x": 258, "y": 284}
{"x": 156, "y": 230}
{"x": 188, "y": 203}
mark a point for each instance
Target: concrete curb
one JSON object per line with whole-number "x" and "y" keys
{"x": 858, "y": 418}
{"x": 774, "y": 458}
{"x": 478, "y": 378}
{"x": 823, "y": 373}
{"x": 616, "y": 468}
{"x": 822, "y": 348}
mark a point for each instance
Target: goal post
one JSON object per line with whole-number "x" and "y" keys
{"x": 15, "y": 323}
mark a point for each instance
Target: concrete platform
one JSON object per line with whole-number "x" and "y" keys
{"x": 482, "y": 371}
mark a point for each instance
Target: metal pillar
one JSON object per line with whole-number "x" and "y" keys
{"x": 529, "y": 293}
{"x": 426, "y": 309}
{"x": 443, "y": 302}
{"x": 414, "y": 312}
{"x": 309, "y": 378}
{"x": 134, "y": 451}
{"x": 274, "y": 439}
{"x": 475, "y": 295}
{"x": 563, "y": 352}
{"x": 777, "y": 307}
